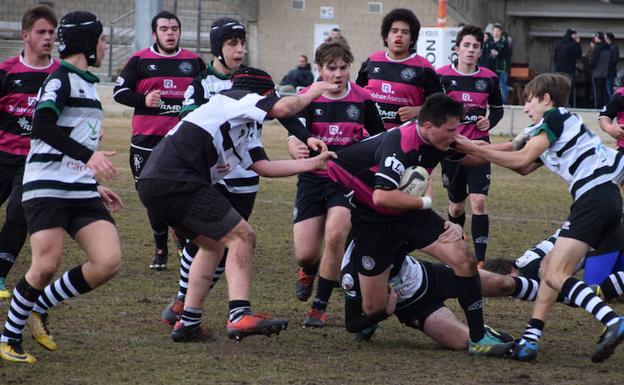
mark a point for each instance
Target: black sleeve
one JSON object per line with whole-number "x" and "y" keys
{"x": 2, "y": 85}
{"x": 126, "y": 83}
{"x": 355, "y": 319}
{"x": 431, "y": 82}
{"x": 372, "y": 120}
{"x": 45, "y": 129}
{"x": 201, "y": 65}
{"x": 576, "y": 51}
{"x": 615, "y": 105}
{"x": 362, "y": 78}
{"x": 295, "y": 127}
{"x": 495, "y": 102}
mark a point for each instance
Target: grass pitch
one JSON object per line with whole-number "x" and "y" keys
{"x": 114, "y": 335}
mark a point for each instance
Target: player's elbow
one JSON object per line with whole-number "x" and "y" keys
{"x": 280, "y": 110}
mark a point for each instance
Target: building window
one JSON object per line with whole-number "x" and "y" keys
{"x": 375, "y": 7}
{"x": 298, "y": 5}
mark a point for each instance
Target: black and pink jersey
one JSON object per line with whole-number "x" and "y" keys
{"x": 340, "y": 122}
{"x": 149, "y": 70}
{"x": 380, "y": 161}
{"x": 397, "y": 83}
{"x": 475, "y": 91}
{"x": 19, "y": 85}
{"x": 615, "y": 110}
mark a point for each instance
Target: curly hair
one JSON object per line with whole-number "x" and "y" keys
{"x": 400, "y": 14}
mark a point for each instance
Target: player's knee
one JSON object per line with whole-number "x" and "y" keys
{"x": 463, "y": 263}
{"x": 554, "y": 279}
{"x": 478, "y": 204}
{"x": 43, "y": 272}
{"x": 456, "y": 209}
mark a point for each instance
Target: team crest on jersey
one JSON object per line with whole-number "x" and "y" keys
{"x": 408, "y": 74}
{"x": 53, "y": 85}
{"x": 368, "y": 263}
{"x": 186, "y": 67}
{"x": 120, "y": 81}
{"x": 347, "y": 282}
{"x": 353, "y": 112}
{"x": 480, "y": 85}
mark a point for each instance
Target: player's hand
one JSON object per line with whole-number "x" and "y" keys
{"x": 520, "y": 141}
{"x": 615, "y": 130}
{"x": 392, "y": 301}
{"x": 452, "y": 233}
{"x": 483, "y": 123}
{"x": 297, "y": 149}
{"x": 317, "y": 88}
{"x": 317, "y": 144}
{"x": 152, "y": 99}
{"x": 322, "y": 159}
{"x": 464, "y": 144}
{"x": 101, "y": 166}
{"x": 408, "y": 112}
{"x": 111, "y": 200}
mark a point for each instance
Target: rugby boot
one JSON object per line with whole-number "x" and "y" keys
{"x": 524, "y": 350}
{"x": 490, "y": 346}
{"x": 501, "y": 335}
{"x": 315, "y": 319}
{"x": 12, "y": 351}
{"x": 258, "y": 323}
{"x": 609, "y": 340}
{"x": 197, "y": 333}
{"x": 38, "y": 325}
{"x": 159, "y": 260}
{"x": 366, "y": 334}
{"x": 304, "y": 284}
{"x": 173, "y": 311}
{"x": 4, "y": 292}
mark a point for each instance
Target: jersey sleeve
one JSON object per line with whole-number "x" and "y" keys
{"x": 372, "y": 120}
{"x": 126, "y": 84}
{"x": 495, "y": 103}
{"x": 615, "y": 105}
{"x": 362, "y": 78}
{"x": 392, "y": 161}
{"x": 54, "y": 93}
{"x": 431, "y": 82}
{"x": 552, "y": 125}
{"x": 3, "y": 73}
{"x": 193, "y": 96}
{"x": 255, "y": 153}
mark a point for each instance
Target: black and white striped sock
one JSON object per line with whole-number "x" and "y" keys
{"x": 238, "y": 309}
{"x": 191, "y": 316}
{"x": 71, "y": 284}
{"x": 188, "y": 254}
{"x": 534, "y": 330}
{"x": 24, "y": 297}
{"x": 526, "y": 289}
{"x": 613, "y": 286}
{"x": 583, "y": 296}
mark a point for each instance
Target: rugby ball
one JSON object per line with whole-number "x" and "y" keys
{"x": 414, "y": 181}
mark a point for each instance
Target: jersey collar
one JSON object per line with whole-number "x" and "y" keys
{"x": 86, "y": 75}
{"x": 23, "y": 62}
{"x": 154, "y": 50}
{"x": 213, "y": 71}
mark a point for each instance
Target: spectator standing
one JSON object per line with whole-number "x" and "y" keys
{"x": 301, "y": 76}
{"x": 613, "y": 63}
{"x": 600, "y": 59}
{"x": 498, "y": 51}
{"x": 567, "y": 52}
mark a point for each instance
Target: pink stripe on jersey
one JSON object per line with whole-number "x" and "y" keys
{"x": 620, "y": 116}
{"x": 153, "y": 124}
{"x": 361, "y": 191}
{"x": 14, "y": 144}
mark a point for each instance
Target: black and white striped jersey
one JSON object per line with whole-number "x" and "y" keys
{"x": 576, "y": 153}
{"x": 210, "y": 142}
{"x": 71, "y": 94}
{"x": 206, "y": 85}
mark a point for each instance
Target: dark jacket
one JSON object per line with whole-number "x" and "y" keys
{"x": 299, "y": 77}
{"x": 567, "y": 52}
{"x": 615, "y": 58}
{"x": 600, "y": 59}
{"x": 501, "y": 61}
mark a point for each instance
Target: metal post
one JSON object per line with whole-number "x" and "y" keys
{"x": 511, "y": 123}
{"x": 110, "y": 53}
{"x": 198, "y": 25}
{"x": 175, "y": 7}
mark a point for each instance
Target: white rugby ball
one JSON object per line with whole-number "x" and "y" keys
{"x": 414, "y": 181}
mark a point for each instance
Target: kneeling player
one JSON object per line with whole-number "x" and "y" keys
{"x": 178, "y": 182}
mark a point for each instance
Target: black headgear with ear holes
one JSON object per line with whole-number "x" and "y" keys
{"x": 79, "y": 32}
{"x": 221, "y": 30}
